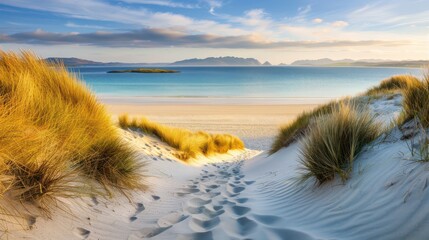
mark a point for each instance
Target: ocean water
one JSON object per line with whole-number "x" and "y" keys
{"x": 235, "y": 84}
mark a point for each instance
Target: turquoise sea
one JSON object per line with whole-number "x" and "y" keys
{"x": 235, "y": 84}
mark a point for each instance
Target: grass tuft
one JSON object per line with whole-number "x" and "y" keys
{"x": 112, "y": 163}
{"x": 189, "y": 144}
{"x": 416, "y": 102}
{"x": 334, "y": 140}
{"x": 297, "y": 128}
{"x": 54, "y": 134}
{"x": 392, "y": 84}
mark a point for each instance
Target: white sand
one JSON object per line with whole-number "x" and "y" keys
{"x": 249, "y": 195}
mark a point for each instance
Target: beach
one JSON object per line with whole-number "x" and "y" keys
{"x": 214, "y": 120}
{"x": 249, "y": 193}
{"x": 97, "y": 166}
{"x": 255, "y": 124}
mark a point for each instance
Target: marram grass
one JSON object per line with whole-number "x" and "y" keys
{"x": 189, "y": 144}
{"x": 416, "y": 102}
{"x": 54, "y": 135}
{"x": 294, "y": 130}
{"x": 334, "y": 140}
{"x": 393, "y": 84}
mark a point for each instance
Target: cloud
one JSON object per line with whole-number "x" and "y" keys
{"x": 164, "y": 3}
{"x": 73, "y": 25}
{"x": 317, "y": 20}
{"x": 255, "y": 18}
{"x": 340, "y": 24}
{"x": 390, "y": 14}
{"x": 304, "y": 10}
{"x": 213, "y": 4}
{"x": 302, "y": 14}
{"x": 151, "y": 38}
{"x": 133, "y": 16}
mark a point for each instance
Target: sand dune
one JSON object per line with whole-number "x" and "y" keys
{"x": 250, "y": 195}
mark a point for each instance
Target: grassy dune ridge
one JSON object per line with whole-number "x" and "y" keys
{"x": 393, "y": 84}
{"x": 295, "y": 129}
{"x": 332, "y": 135}
{"x": 189, "y": 144}
{"x": 55, "y": 136}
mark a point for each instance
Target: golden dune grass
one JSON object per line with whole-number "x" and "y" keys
{"x": 292, "y": 131}
{"x": 334, "y": 140}
{"x": 189, "y": 144}
{"x": 416, "y": 101}
{"x": 392, "y": 84}
{"x": 54, "y": 134}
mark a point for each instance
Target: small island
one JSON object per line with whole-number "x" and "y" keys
{"x": 144, "y": 70}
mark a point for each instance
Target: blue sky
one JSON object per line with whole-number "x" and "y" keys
{"x": 170, "y": 30}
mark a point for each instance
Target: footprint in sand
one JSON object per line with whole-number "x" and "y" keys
{"x": 249, "y": 182}
{"x": 139, "y": 208}
{"x": 288, "y": 234}
{"x": 171, "y": 219}
{"x": 270, "y": 220}
{"x": 238, "y": 210}
{"x": 150, "y": 231}
{"x": 232, "y": 188}
{"x": 241, "y": 200}
{"x": 81, "y": 233}
{"x": 242, "y": 226}
{"x": 155, "y": 197}
{"x": 31, "y": 220}
{"x": 196, "y": 236}
{"x": 185, "y": 191}
{"x": 203, "y": 225}
{"x": 94, "y": 200}
{"x": 194, "y": 210}
{"x": 198, "y": 202}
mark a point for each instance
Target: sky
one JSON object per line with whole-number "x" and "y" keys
{"x": 161, "y": 31}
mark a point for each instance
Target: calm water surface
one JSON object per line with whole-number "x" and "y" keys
{"x": 280, "y": 83}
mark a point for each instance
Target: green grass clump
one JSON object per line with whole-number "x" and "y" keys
{"x": 334, "y": 140}
{"x": 54, "y": 134}
{"x": 392, "y": 84}
{"x": 297, "y": 128}
{"x": 144, "y": 70}
{"x": 189, "y": 144}
{"x": 416, "y": 101}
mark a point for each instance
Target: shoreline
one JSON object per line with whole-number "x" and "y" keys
{"x": 211, "y": 101}
{"x": 189, "y": 110}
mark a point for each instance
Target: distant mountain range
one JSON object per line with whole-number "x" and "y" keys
{"x": 72, "y": 62}
{"x": 237, "y": 61}
{"x": 326, "y": 62}
{"x": 219, "y": 61}
{"x": 211, "y": 61}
